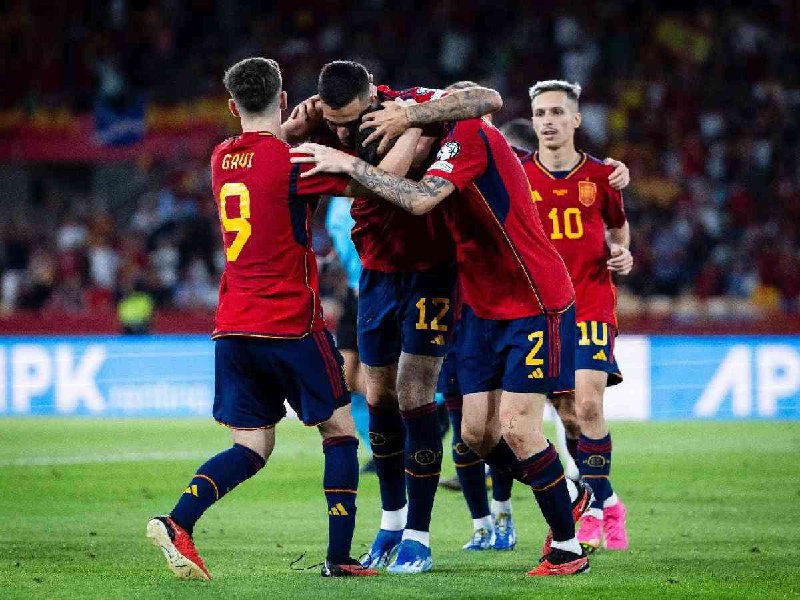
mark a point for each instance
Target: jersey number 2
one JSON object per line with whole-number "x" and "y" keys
{"x": 240, "y": 225}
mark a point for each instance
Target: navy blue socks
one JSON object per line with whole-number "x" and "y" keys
{"x": 423, "y": 463}
{"x": 544, "y": 473}
{"x": 340, "y": 482}
{"x": 387, "y": 437}
{"x": 219, "y": 475}
{"x": 470, "y": 467}
{"x": 594, "y": 464}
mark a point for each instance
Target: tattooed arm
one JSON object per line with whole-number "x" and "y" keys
{"x": 468, "y": 103}
{"x": 394, "y": 119}
{"x": 417, "y": 197}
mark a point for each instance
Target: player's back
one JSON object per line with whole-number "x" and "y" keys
{"x": 270, "y": 284}
{"x": 390, "y": 239}
{"x": 575, "y": 207}
{"x": 507, "y": 267}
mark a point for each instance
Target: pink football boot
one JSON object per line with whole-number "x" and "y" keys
{"x": 614, "y": 530}
{"x": 590, "y": 533}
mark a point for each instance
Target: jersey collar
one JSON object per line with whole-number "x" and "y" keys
{"x": 574, "y": 170}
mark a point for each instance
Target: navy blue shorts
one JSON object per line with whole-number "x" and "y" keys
{"x": 410, "y": 312}
{"x": 253, "y": 377}
{"x": 527, "y": 355}
{"x": 594, "y": 349}
{"x": 448, "y": 376}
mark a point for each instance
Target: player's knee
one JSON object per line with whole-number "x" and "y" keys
{"x": 416, "y": 380}
{"x": 340, "y": 424}
{"x": 260, "y": 441}
{"x": 381, "y": 390}
{"x": 381, "y": 396}
{"x": 589, "y": 407}
{"x": 473, "y": 434}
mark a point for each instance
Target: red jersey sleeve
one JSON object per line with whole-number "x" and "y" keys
{"x": 613, "y": 209}
{"x": 418, "y": 94}
{"x": 318, "y": 184}
{"x": 462, "y": 154}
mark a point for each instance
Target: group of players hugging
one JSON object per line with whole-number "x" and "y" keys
{"x": 488, "y": 257}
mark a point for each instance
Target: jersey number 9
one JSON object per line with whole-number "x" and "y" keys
{"x": 240, "y": 225}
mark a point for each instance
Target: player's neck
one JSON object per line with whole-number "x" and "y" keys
{"x": 269, "y": 124}
{"x": 559, "y": 159}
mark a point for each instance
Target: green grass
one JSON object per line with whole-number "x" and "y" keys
{"x": 712, "y": 514}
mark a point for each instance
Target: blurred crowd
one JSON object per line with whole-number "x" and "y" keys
{"x": 703, "y": 104}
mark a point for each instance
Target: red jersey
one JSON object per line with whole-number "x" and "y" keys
{"x": 390, "y": 239}
{"x": 506, "y": 267}
{"x": 270, "y": 284}
{"x": 575, "y": 210}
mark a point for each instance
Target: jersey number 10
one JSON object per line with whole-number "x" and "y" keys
{"x": 239, "y": 224}
{"x": 572, "y": 224}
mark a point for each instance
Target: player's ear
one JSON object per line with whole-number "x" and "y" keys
{"x": 232, "y": 107}
{"x": 577, "y": 119}
{"x": 284, "y": 101}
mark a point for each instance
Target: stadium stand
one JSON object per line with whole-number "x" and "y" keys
{"x": 714, "y": 202}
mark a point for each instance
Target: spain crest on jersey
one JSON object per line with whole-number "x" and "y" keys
{"x": 587, "y": 191}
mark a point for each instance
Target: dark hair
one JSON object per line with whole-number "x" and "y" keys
{"x": 369, "y": 154}
{"x": 341, "y": 81}
{"x": 254, "y": 83}
{"x": 520, "y": 133}
{"x": 462, "y": 85}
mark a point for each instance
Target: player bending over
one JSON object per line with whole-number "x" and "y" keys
{"x": 270, "y": 338}
{"x": 405, "y": 303}
{"x": 494, "y": 529}
{"x": 518, "y": 325}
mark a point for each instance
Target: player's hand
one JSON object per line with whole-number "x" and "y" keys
{"x": 620, "y": 177}
{"x": 303, "y": 120}
{"x": 389, "y": 123}
{"x": 327, "y": 160}
{"x": 621, "y": 260}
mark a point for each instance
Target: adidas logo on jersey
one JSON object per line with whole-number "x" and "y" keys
{"x": 438, "y": 340}
{"x": 601, "y": 356}
{"x": 536, "y": 196}
{"x": 338, "y": 510}
{"x": 536, "y": 374}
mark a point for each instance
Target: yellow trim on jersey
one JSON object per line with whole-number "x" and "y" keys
{"x": 574, "y": 170}
{"x": 246, "y": 334}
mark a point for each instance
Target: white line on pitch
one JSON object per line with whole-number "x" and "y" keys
{"x": 89, "y": 459}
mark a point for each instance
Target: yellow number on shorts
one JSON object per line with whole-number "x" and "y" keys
{"x": 537, "y": 337}
{"x": 573, "y": 225}
{"x": 444, "y": 306}
{"x": 240, "y": 224}
{"x": 599, "y": 333}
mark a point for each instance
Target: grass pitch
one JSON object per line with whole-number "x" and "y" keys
{"x": 712, "y": 513}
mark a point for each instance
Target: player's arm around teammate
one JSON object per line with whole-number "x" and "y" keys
{"x": 504, "y": 397}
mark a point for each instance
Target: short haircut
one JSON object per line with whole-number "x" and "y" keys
{"x": 341, "y": 81}
{"x": 572, "y": 90}
{"x": 369, "y": 154}
{"x": 462, "y": 85}
{"x": 254, "y": 84}
{"x": 519, "y": 133}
